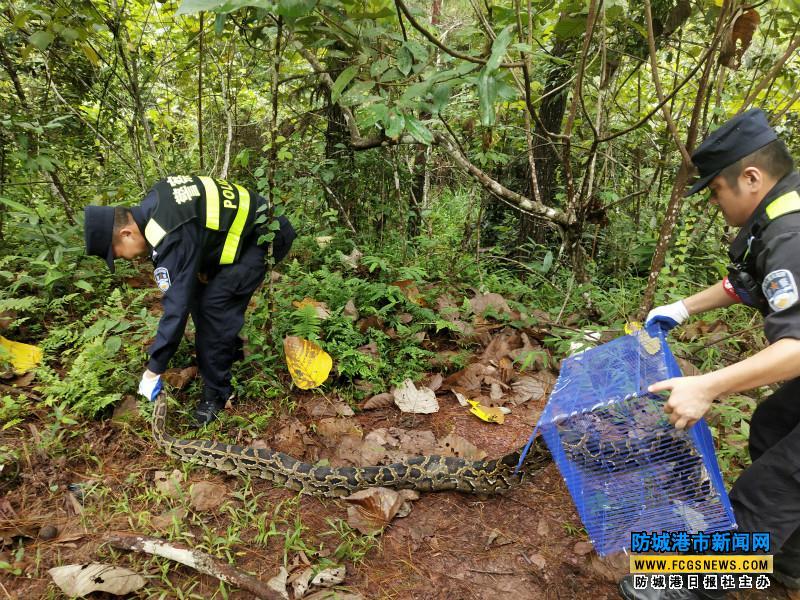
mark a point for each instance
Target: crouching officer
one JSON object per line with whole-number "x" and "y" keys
{"x": 202, "y": 236}
{"x": 751, "y": 176}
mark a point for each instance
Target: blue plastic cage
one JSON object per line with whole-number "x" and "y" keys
{"x": 627, "y": 468}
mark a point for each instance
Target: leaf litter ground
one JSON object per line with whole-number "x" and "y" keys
{"x": 527, "y": 543}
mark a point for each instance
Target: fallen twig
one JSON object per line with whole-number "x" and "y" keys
{"x": 197, "y": 560}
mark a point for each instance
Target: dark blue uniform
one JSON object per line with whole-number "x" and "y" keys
{"x": 766, "y": 497}
{"x": 188, "y": 272}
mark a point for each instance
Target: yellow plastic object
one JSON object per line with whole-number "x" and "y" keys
{"x": 23, "y": 357}
{"x": 308, "y": 364}
{"x": 490, "y": 414}
{"x": 632, "y": 327}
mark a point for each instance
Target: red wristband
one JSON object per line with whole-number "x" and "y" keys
{"x": 728, "y": 287}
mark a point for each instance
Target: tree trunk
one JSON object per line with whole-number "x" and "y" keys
{"x": 551, "y": 116}
{"x": 337, "y": 145}
{"x": 419, "y": 188}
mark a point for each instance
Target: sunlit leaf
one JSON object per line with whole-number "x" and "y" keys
{"x": 41, "y": 39}
{"x": 342, "y": 80}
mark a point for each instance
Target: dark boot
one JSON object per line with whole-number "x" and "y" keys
{"x": 628, "y": 592}
{"x": 787, "y": 563}
{"x": 209, "y": 406}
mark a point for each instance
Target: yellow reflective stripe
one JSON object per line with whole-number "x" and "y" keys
{"x": 235, "y": 232}
{"x": 212, "y": 202}
{"x": 154, "y": 233}
{"x": 783, "y": 204}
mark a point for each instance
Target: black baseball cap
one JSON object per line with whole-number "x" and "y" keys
{"x": 98, "y": 228}
{"x": 742, "y": 135}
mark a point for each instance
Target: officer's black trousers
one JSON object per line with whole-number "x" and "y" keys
{"x": 766, "y": 497}
{"x": 218, "y": 314}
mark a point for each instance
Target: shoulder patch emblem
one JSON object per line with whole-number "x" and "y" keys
{"x": 161, "y": 275}
{"x": 780, "y": 289}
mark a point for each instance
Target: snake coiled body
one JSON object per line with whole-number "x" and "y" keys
{"x": 423, "y": 473}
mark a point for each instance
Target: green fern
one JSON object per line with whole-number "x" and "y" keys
{"x": 305, "y": 323}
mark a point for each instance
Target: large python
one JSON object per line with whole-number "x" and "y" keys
{"x": 635, "y": 437}
{"x": 423, "y": 473}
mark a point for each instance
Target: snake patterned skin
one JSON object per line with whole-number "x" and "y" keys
{"x": 423, "y": 473}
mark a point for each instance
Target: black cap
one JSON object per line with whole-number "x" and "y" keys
{"x": 98, "y": 228}
{"x": 742, "y": 135}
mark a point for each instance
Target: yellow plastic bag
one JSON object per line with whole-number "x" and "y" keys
{"x": 308, "y": 364}
{"x": 23, "y": 357}
{"x": 490, "y": 414}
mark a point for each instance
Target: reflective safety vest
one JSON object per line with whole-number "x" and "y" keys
{"x": 219, "y": 205}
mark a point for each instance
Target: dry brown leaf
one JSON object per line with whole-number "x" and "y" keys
{"x": 329, "y": 577}
{"x": 370, "y": 349}
{"x": 127, "y": 409}
{"x": 371, "y": 322}
{"x": 500, "y": 346}
{"x": 539, "y": 561}
{"x": 455, "y": 445}
{"x": 206, "y": 495}
{"x": 319, "y": 406}
{"x": 419, "y": 442}
{"x": 278, "y": 583}
{"x": 388, "y": 438}
{"x": 22, "y": 381}
{"x": 7, "y": 534}
{"x": 6, "y": 318}
{"x": 289, "y": 438}
{"x": 350, "y": 311}
{"x": 73, "y": 507}
{"x": 352, "y": 260}
{"x": 687, "y": 368}
{"x": 334, "y": 595}
{"x": 410, "y": 290}
{"x": 180, "y": 378}
{"x": 405, "y": 318}
{"x": 167, "y": 518}
{"x": 409, "y": 399}
{"x": 373, "y": 509}
{"x": 349, "y": 450}
{"x": 322, "y": 310}
{"x": 331, "y": 430}
{"x": 435, "y": 382}
{"x": 81, "y": 580}
{"x": 462, "y": 399}
{"x": 369, "y": 453}
{"x": 168, "y": 484}
{"x": 481, "y": 302}
{"x": 468, "y": 379}
{"x": 378, "y": 401}
{"x": 300, "y": 581}
{"x": 738, "y": 41}
{"x": 526, "y": 387}
{"x": 505, "y": 369}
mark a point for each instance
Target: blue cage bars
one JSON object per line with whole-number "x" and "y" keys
{"x": 627, "y": 468}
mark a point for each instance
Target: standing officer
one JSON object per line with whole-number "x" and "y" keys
{"x": 751, "y": 176}
{"x": 202, "y": 236}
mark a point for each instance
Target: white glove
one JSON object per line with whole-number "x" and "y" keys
{"x": 668, "y": 316}
{"x": 150, "y": 385}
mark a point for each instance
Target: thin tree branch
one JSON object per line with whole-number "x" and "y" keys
{"x": 651, "y": 44}
{"x": 436, "y": 42}
{"x": 771, "y": 74}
